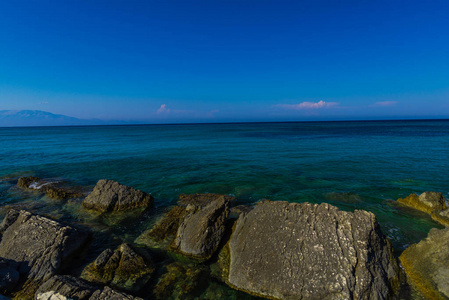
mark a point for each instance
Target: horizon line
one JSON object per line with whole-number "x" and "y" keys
{"x": 236, "y": 122}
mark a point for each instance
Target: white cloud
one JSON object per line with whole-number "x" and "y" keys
{"x": 163, "y": 109}
{"x": 385, "y": 103}
{"x": 309, "y": 105}
{"x": 43, "y": 102}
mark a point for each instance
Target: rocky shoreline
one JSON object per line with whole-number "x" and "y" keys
{"x": 206, "y": 247}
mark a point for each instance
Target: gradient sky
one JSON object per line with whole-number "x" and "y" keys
{"x": 220, "y": 61}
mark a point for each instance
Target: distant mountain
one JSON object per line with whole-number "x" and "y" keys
{"x": 13, "y": 118}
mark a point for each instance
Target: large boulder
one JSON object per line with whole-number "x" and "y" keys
{"x": 110, "y": 196}
{"x": 65, "y": 287}
{"x": 426, "y": 202}
{"x": 427, "y": 264}
{"x": 41, "y": 245}
{"x": 123, "y": 269}
{"x": 201, "y": 231}
{"x": 284, "y": 250}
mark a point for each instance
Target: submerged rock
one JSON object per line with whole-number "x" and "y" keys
{"x": 164, "y": 231}
{"x": 52, "y": 189}
{"x": 427, "y": 264}
{"x": 427, "y": 202}
{"x": 201, "y": 200}
{"x": 181, "y": 281}
{"x": 123, "y": 269}
{"x": 65, "y": 287}
{"x": 202, "y": 229}
{"x": 110, "y": 196}
{"x": 39, "y": 244}
{"x": 293, "y": 251}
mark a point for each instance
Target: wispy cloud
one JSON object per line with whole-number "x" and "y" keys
{"x": 42, "y": 103}
{"x": 385, "y": 103}
{"x": 163, "y": 109}
{"x": 308, "y": 105}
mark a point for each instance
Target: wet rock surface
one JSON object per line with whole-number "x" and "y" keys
{"x": 202, "y": 229}
{"x": 292, "y": 251}
{"x": 109, "y": 196}
{"x": 40, "y": 245}
{"x": 123, "y": 268}
{"x": 427, "y": 264}
{"x": 426, "y": 202}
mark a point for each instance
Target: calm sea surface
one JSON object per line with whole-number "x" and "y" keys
{"x": 353, "y": 165}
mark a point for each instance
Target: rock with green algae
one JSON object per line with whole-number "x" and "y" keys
{"x": 427, "y": 264}
{"x": 108, "y": 196}
{"x": 427, "y": 202}
{"x": 284, "y": 250}
{"x": 181, "y": 281}
{"x": 124, "y": 268}
{"x": 163, "y": 232}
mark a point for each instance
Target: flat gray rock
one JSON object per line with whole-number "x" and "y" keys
{"x": 109, "y": 294}
{"x": 65, "y": 287}
{"x": 202, "y": 229}
{"x": 287, "y": 250}
{"x": 109, "y": 196}
{"x": 39, "y": 244}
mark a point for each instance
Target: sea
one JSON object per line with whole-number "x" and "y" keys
{"x": 353, "y": 165}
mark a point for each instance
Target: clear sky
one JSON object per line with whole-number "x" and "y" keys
{"x": 220, "y": 61}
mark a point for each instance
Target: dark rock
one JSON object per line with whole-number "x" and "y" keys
{"x": 164, "y": 231}
{"x": 65, "y": 286}
{"x": 427, "y": 264}
{"x": 181, "y": 281}
{"x": 202, "y": 229}
{"x": 60, "y": 193}
{"x": 123, "y": 269}
{"x": 52, "y": 189}
{"x": 25, "y": 182}
{"x": 39, "y": 244}
{"x": 109, "y": 294}
{"x": 201, "y": 200}
{"x": 110, "y": 196}
{"x": 9, "y": 275}
{"x": 236, "y": 211}
{"x": 427, "y": 202}
{"x": 304, "y": 251}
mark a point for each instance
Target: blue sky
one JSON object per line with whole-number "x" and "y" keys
{"x": 221, "y": 61}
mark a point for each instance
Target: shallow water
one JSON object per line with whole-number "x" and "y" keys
{"x": 353, "y": 165}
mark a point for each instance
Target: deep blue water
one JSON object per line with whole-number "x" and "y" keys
{"x": 353, "y": 165}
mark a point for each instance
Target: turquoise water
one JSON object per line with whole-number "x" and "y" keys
{"x": 353, "y": 165}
